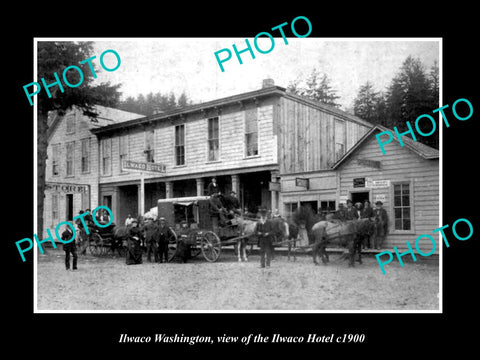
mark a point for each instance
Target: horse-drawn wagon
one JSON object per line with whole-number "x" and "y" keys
{"x": 201, "y": 234}
{"x": 100, "y": 241}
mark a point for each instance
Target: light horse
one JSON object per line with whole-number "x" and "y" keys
{"x": 283, "y": 231}
{"x": 247, "y": 229}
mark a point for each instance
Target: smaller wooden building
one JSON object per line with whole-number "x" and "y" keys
{"x": 405, "y": 180}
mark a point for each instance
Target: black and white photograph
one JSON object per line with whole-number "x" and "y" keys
{"x": 214, "y": 181}
{"x": 192, "y": 188}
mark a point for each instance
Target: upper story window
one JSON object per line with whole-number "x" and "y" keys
{"x": 180, "y": 144}
{"x": 85, "y": 161}
{"x": 149, "y": 146}
{"x": 251, "y": 132}
{"x": 106, "y": 156}
{"x": 56, "y": 159}
{"x": 70, "y": 123}
{"x": 70, "y": 156}
{"x": 213, "y": 139}
{"x": 123, "y": 148}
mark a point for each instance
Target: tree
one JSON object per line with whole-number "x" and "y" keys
{"x": 317, "y": 87}
{"x": 413, "y": 93}
{"x": 54, "y": 57}
{"x": 148, "y": 104}
{"x": 370, "y": 105}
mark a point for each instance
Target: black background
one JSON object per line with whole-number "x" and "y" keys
{"x": 97, "y": 334}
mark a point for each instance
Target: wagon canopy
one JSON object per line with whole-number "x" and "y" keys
{"x": 191, "y": 209}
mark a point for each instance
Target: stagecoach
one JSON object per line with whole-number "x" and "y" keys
{"x": 203, "y": 236}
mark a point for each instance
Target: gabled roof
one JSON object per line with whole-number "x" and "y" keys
{"x": 217, "y": 103}
{"x": 425, "y": 151}
{"x": 106, "y": 116}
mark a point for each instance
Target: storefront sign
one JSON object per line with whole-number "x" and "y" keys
{"x": 358, "y": 182}
{"x": 379, "y": 197}
{"x": 378, "y": 184}
{"x": 301, "y": 182}
{"x": 274, "y": 186}
{"x": 66, "y": 188}
{"x": 128, "y": 165}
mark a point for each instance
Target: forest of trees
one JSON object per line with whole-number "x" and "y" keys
{"x": 412, "y": 92}
{"x": 148, "y": 104}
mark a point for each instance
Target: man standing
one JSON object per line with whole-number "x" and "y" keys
{"x": 381, "y": 225}
{"x": 213, "y": 188}
{"x": 69, "y": 248}
{"x": 164, "y": 236}
{"x": 151, "y": 235}
{"x": 263, "y": 231}
{"x": 351, "y": 213}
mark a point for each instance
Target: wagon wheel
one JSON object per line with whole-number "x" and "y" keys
{"x": 172, "y": 245}
{"x": 96, "y": 244}
{"x": 210, "y": 246}
{"x": 122, "y": 248}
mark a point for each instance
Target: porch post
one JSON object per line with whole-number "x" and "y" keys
{"x": 168, "y": 189}
{"x": 200, "y": 186}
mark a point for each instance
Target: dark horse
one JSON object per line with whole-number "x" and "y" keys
{"x": 350, "y": 234}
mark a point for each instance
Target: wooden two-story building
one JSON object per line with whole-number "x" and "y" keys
{"x": 72, "y": 173}
{"x": 247, "y": 141}
{"x": 275, "y": 149}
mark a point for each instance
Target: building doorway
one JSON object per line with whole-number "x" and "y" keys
{"x": 107, "y": 201}
{"x": 312, "y": 205}
{"x": 360, "y": 196}
{"x": 69, "y": 207}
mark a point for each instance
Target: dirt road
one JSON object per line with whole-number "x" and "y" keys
{"x": 104, "y": 283}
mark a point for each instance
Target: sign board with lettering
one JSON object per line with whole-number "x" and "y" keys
{"x": 302, "y": 182}
{"x": 66, "y": 188}
{"x": 274, "y": 186}
{"x": 129, "y": 165}
{"x": 358, "y": 182}
{"x": 378, "y": 184}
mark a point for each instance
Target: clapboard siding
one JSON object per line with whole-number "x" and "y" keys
{"x": 231, "y": 143}
{"x": 398, "y": 165}
{"x": 307, "y": 136}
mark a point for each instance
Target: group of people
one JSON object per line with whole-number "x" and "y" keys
{"x": 153, "y": 234}
{"x": 365, "y": 211}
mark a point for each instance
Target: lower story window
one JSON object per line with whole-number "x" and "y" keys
{"x": 401, "y": 206}
{"x": 290, "y": 209}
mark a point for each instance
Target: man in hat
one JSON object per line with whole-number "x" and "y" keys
{"x": 165, "y": 234}
{"x": 263, "y": 231}
{"x": 69, "y": 248}
{"x": 217, "y": 211}
{"x": 367, "y": 211}
{"x": 213, "y": 188}
{"x": 341, "y": 213}
{"x": 151, "y": 235}
{"x": 351, "y": 213}
{"x": 134, "y": 250}
{"x": 381, "y": 225}
{"x": 232, "y": 204}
